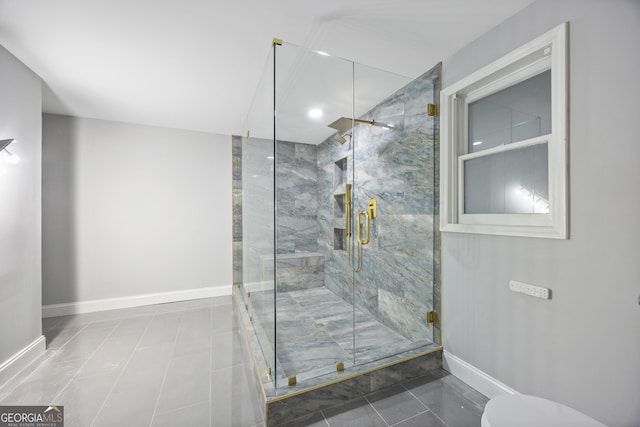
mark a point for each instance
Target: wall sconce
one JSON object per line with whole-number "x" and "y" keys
{"x": 4, "y": 143}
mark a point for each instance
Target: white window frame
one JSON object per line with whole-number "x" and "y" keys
{"x": 549, "y": 51}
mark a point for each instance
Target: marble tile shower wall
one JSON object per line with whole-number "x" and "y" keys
{"x": 297, "y": 181}
{"x": 257, "y": 207}
{"x": 236, "y": 180}
{"x": 297, "y": 224}
{"x": 396, "y": 167}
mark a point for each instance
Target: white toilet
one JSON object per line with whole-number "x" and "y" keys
{"x": 520, "y": 410}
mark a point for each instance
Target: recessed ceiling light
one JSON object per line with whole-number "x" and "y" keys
{"x": 477, "y": 143}
{"x": 319, "y": 52}
{"x": 315, "y": 113}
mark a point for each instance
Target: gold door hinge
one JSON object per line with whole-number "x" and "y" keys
{"x": 340, "y": 367}
{"x": 432, "y": 316}
{"x": 292, "y": 380}
{"x": 432, "y": 109}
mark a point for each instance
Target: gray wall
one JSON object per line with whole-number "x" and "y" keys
{"x": 582, "y": 347}
{"x": 20, "y": 190}
{"x": 133, "y": 210}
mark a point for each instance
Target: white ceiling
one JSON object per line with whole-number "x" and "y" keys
{"x": 196, "y": 64}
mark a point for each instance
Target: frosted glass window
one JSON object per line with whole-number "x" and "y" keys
{"x": 510, "y": 182}
{"x": 517, "y": 113}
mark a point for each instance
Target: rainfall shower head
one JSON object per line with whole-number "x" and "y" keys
{"x": 343, "y": 124}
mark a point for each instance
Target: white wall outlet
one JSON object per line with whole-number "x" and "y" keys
{"x": 533, "y": 290}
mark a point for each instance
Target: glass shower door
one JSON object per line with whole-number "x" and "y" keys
{"x": 313, "y": 294}
{"x": 394, "y": 196}
{"x": 354, "y": 166}
{"x": 258, "y": 219}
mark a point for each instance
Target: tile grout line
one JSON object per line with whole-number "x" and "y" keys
{"x": 376, "y": 411}
{"x": 324, "y": 417}
{"x": 480, "y": 405}
{"x": 253, "y": 386}
{"x": 19, "y": 381}
{"x": 86, "y": 361}
{"x": 124, "y": 368}
{"x": 41, "y": 363}
{"x": 180, "y": 408}
{"x": 410, "y": 418}
{"x": 423, "y": 404}
{"x": 414, "y": 396}
{"x": 166, "y": 373}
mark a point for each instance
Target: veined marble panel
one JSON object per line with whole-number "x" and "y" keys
{"x": 257, "y": 206}
{"x": 296, "y": 271}
{"x": 397, "y": 167}
{"x": 296, "y": 194}
{"x": 236, "y": 179}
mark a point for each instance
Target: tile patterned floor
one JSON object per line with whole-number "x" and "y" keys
{"x": 187, "y": 364}
{"x": 436, "y": 400}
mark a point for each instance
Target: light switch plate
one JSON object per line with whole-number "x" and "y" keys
{"x": 528, "y": 289}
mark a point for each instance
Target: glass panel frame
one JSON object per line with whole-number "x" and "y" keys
{"x": 276, "y": 202}
{"x": 258, "y": 216}
{"x": 298, "y": 246}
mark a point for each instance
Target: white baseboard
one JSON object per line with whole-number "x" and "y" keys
{"x": 474, "y": 377}
{"x": 91, "y": 306}
{"x": 22, "y": 359}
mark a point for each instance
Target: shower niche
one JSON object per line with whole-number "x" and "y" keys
{"x": 313, "y": 321}
{"x": 340, "y": 172}
{"x": 339, "y": 212}
{"x": 339, "y": 239}
{"x": 338, "y": 206}
{"x": 340, "y": 178}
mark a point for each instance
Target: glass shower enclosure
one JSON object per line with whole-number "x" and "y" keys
{"x": 335, "y": 216}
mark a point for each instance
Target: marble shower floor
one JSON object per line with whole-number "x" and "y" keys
{"x": 315, "y": 330}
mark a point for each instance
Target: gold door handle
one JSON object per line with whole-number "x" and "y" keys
{"x": 364, "y": 241}
{"x": 347, "y": 209}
